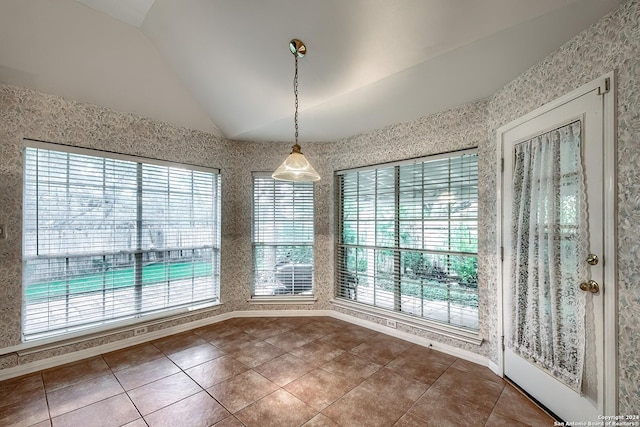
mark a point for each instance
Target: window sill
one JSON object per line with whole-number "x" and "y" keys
{"x": 283, "y": 300}
{"x": 449, "y": 331}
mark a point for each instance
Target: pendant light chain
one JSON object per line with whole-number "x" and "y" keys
{"x": 295, "y": 92}
{"x": 296, "y": 168}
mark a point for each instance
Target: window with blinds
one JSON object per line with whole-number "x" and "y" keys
{"x": 283, "y": 234}
{"x": 110, "y": 237}
{"x": 408, "y": 237}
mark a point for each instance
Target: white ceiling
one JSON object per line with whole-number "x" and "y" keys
{"x": 223, "y": 66}
{"x": 131, "y": 12}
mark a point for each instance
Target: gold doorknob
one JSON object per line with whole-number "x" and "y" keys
{"x": 590, "y": 286}
{"x": 592, "y": 259}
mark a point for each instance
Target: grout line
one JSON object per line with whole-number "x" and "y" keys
{"x": 123, "y": 389}
{"x": 241, "y": 330}
{"x": 493, "y": 408}
{"x": 46, "y": 398}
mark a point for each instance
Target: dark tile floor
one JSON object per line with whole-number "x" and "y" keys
{"x": 286, "y": 371}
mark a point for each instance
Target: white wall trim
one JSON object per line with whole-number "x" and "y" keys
{"x": 610, "y": 248}
{"x": 609, "y": 221}
{"x": 282, "y": 313}
{"x": 135, "y": 340}
{"x": 295, "y": 300}
{"x": 415, "y": 339}
{"x": 499, "y": 364}
{"x": 52, "y": 362}
{"x": 462, "y": 334}
{"x": 577, "y": 93}
{"x": 496, "y": 369}
{"x": 74, "y": 356}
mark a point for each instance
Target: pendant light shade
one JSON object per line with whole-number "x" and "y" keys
{"x": 296, "y": 167}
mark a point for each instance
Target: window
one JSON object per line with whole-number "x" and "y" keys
{"x": 408, "y": 238}
{"x": 282, "y": 237}
{"x": 109, "y": 237}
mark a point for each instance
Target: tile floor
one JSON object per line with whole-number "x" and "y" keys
{"x": 287, "y": 371}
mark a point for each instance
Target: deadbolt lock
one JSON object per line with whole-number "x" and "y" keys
{"x": 592, "y": 259}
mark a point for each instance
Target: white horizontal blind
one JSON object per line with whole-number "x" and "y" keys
{"x": 283, "y": 235}
{"x": 107, "y": 239}
{"x": 408, "y": 237}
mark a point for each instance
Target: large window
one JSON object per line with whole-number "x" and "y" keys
{"x": 110, "y": 237}
{"x": 282, "y": 237}
{"x": 408, "y": 237}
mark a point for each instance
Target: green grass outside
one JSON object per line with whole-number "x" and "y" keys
{"x": 120, "y": 278}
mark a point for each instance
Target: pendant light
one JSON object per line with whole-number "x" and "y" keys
{"x": 296, "y": 167}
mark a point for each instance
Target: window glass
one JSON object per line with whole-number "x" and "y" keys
{"x": 408, "y": 237}
{"x": 283, "y": 234}
{"x": 109, "y": 238}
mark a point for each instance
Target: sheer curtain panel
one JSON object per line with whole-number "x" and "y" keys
{"x": 549, "y": 249}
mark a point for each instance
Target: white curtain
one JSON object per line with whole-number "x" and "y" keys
{"x": 549, "y": 249}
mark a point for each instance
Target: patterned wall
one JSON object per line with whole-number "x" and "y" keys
{"x": 451, "y": 130}
{"x": 251, "y": 157}
{"x": 611, "y": 44}
{"x": 30, "y": 114}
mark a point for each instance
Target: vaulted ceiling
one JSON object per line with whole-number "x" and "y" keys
{"x": 224, "y": 66}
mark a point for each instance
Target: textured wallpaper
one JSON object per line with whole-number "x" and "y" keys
{"x": 451, "y": 130}
{"x": 29, "y": 114}
{"x": 611, "y": 44}
{"x": 251, "y": 157}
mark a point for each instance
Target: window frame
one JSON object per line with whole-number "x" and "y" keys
{"x": 286, "y": 298}
{"x": 345, "y": 297}
{"x": 77, "y": 329}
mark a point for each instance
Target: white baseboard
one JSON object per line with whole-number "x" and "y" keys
{"x": 495, "y": 368}
{"x": 435, "y": 345}
{"x": 282, "y": 313}
{"x": 54, "y": 361}
{"x": 456, "y": 332}
{"x": 74, "y": 356}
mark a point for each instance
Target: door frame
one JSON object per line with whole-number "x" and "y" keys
{"x": 606, "y": 86}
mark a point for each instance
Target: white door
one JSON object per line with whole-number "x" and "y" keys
{"x": 552, "y": 311}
